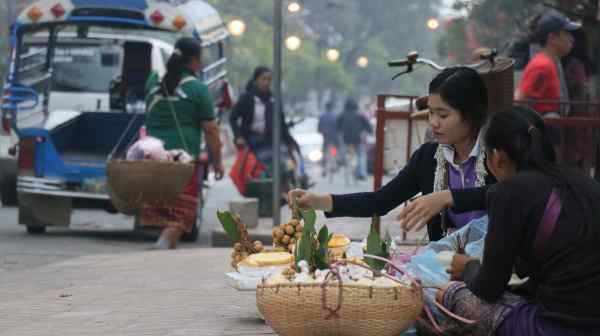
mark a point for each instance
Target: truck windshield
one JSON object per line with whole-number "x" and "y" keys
{"x": 82, "y": 67}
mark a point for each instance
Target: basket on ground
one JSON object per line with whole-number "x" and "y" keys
{"x": 310, "y": 309}
{"x": 133, "y": 183}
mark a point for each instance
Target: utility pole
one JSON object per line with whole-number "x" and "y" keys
{"x": 277, "y": 39}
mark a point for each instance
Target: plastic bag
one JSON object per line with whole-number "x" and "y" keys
{"x": 148, "y": 148}
{"x": 426, "y": 266}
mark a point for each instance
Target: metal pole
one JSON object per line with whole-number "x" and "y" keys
{"x": 277, "y": 39}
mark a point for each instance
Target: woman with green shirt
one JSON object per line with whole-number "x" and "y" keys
{"x": 180, "y": 112}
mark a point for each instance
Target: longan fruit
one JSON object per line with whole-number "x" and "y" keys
{"x": 285, "y": 240}
{"x": 294, "y": 222}
{"x": 258, "y": 246}
{"x": 292, "y": 240}
{"x": 237, "y": 247}
{"x": 298, "y": 235}
{"x": 289, "y": 230}
{"x": 278, "y": 233}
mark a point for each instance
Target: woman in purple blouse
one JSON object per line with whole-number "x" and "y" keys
{"x": 452, "y": 168}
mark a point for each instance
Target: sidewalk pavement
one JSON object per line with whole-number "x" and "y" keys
{"x": 168, "y": 293}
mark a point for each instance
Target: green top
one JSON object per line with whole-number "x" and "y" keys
{"x": 192, "y": 104}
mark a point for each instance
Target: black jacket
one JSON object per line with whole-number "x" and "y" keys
{"x": 565, "y": 280}
{"x": 416, "y": 177}
{"x": 244, "y": 111}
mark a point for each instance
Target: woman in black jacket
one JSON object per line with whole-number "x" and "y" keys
{"x": 457, "y": 111}
{"x": 543, "y": 223}
{"x": 251, "y": 119}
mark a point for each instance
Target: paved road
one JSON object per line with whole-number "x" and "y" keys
{"x": 97, "y": 232}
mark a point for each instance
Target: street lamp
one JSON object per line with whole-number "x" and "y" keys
{"x": 362, "y": 62}
{"x": 433, "y": 24}
{"x": 236, "y": 27}
{"x": 294, "y": 7}
{"x": 293, "y": 42}
{"x": 333, "y": 55}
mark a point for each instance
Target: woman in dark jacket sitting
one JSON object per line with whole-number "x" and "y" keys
{"x": 457, "y": 111}
{"x": 543, "y": 223}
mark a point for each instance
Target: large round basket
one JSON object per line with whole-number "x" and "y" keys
{"x": 133, "y": 183}
{"x": 310, "y": 309}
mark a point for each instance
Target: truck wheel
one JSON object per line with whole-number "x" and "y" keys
{"x": 36, "y": 230}
{"x": 8, "y": 192}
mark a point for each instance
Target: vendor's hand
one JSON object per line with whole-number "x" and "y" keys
{"x": 308, "y": 200}
{"x": 219, "y": 170}
{"x": 459, "y": 262}
{"x": 419, "y": 212}
{"x": 240, "y": 143}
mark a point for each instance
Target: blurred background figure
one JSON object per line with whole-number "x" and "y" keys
{"x": 328, "y": 129}
{"x": 353, "y": 128}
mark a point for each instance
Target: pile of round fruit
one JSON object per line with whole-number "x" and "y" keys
{"x": 286, "y": 235}
{"x": 242, "y": 250}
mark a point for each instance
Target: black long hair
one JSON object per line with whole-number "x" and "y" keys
{"x": 259, "y": 71}
{"x": 521, "y": 133}
{"x": 186, "y": 50}
{"x": 464, "y": 90}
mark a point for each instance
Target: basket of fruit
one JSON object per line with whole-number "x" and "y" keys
{"x": 325, "y": 294}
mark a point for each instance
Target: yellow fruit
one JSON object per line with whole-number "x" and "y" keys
{"x": 289, "y": 230}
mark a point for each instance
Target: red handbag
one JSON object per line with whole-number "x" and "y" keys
{"x": 245, "y": 168}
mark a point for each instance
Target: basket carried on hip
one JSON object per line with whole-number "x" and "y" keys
{"x": 133, "y": 183}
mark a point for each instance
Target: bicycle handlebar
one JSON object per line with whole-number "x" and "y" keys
{"x": 413, "y": 58}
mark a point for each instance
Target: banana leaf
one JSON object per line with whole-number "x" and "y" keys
{"x": 229, "y": 225}
{"x": 377, "y": 247}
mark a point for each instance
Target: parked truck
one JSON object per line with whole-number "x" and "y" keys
{"x": 74, "y": 94}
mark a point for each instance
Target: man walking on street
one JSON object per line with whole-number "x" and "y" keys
{"x": 543, "y": 78}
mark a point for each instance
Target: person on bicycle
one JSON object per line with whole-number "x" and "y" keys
{"x": 328, "y": 129}
{"x": 455, "y": 161}
{"x": 353, "y": 127}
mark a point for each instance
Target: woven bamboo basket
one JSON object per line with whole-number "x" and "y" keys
{"x": 133, "y": 183}
{"x": 309, "y": 309}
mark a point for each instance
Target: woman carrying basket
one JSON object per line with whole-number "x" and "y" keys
{"x": 179, "y": 112}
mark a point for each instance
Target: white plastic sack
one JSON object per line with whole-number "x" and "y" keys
{"x": 148, "y": 148}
